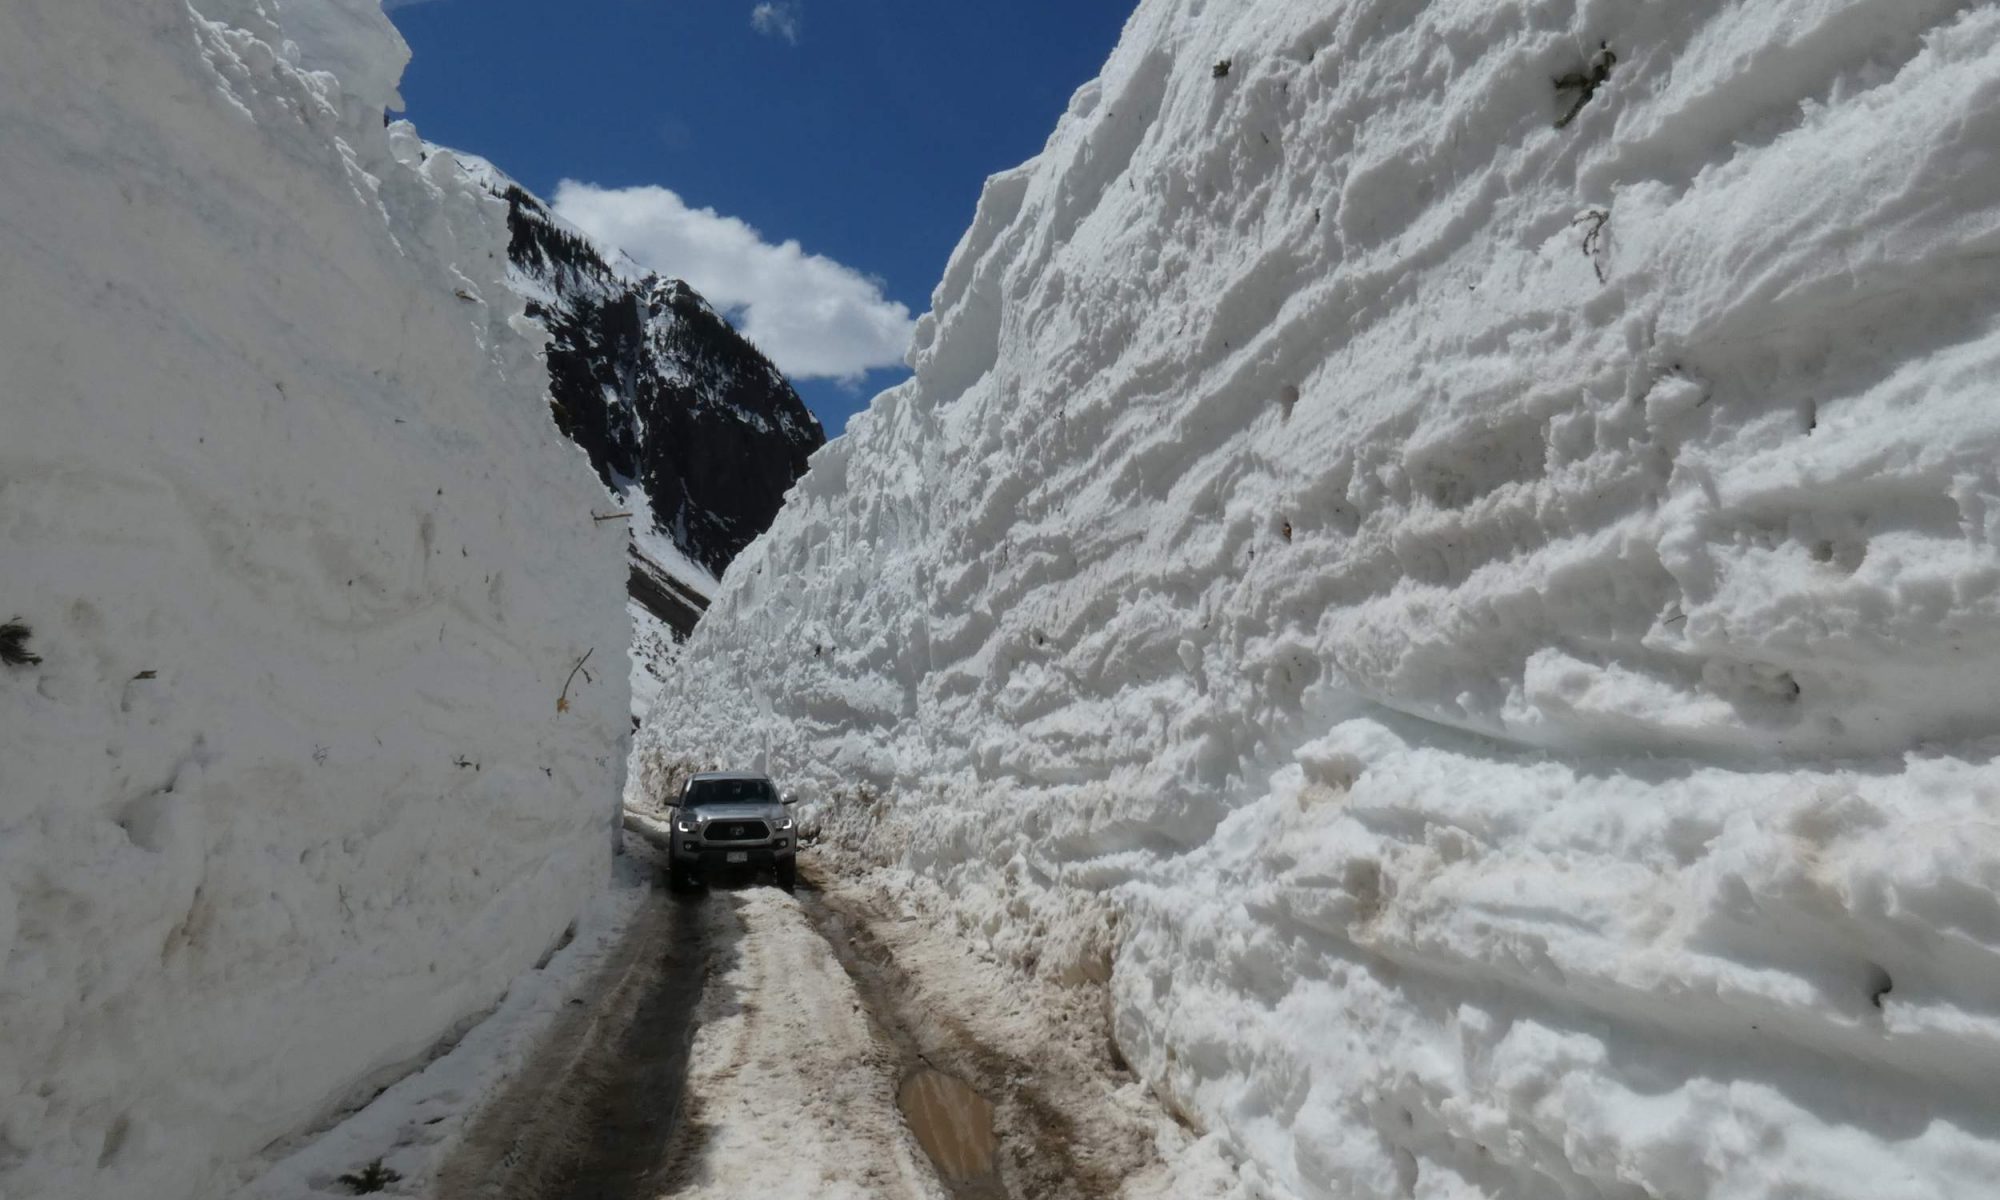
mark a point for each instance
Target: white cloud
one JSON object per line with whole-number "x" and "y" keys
{"x": 815, "y": 318}
{"x": 781, "y": 19}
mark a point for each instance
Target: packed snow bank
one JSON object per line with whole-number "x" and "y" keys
{"x": 1487, "y": 633}
{"x": 287, "y": 798}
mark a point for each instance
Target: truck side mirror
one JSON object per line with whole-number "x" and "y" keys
{"x": 790, "y": 798}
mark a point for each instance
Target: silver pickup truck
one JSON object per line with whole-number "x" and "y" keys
{"x": 732, "y": 820}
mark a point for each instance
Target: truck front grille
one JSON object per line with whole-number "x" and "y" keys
{"x": 736, "y": 831}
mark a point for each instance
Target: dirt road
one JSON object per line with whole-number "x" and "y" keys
{"x": 595, "y": 1110}
{"x": 747, "y": 1043}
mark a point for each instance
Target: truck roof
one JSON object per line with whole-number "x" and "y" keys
{"x": 730, "y": 775}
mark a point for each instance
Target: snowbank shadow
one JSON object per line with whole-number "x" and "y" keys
{"x": 600, "y": 1111}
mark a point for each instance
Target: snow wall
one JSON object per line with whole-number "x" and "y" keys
{"x": 307, "y": 564}
{"x": 1488, "y": 633}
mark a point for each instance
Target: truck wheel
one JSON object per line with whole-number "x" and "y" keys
{"x": 678, "y": 877}
{"x": 788, "y": 874}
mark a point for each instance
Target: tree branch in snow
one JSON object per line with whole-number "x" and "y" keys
{"x": 1585, "y": 82}
{"x": 14, "y": 645}
{"x": 1593, "y": 238}
{"x": 562, "y": 701}
{"x": 372, "y": 1178}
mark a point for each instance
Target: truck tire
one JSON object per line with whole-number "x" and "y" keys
{"x": 788, "y": 874}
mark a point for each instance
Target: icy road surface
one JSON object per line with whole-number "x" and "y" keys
{"x": 742, "y": 1042}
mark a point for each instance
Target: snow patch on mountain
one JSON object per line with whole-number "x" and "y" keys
{"x": 1484, "y": 632}
{"x": 289, "y": 797}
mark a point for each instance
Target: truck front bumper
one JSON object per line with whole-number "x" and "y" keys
{"x": 692, "y": 852}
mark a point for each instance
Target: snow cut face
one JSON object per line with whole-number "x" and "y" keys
{"x": 287, "y": 797}
{"x": 1484, "y": 631}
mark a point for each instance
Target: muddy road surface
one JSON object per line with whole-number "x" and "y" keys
{"x": 596, "y": 1110}
{"x": 747, "y": 1043}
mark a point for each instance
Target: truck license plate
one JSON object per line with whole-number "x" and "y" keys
{"x": 737, "y": 856}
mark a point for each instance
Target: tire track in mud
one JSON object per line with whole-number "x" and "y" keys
{"x": 1043, "y": 1152}
{"x": 597, "y": 1112}
{"x": 715, "y": 1007}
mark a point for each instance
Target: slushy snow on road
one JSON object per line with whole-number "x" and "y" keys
{"x": 1472, "y": 603}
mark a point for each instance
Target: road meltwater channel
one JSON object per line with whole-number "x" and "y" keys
{"x": 953, "y": 1123}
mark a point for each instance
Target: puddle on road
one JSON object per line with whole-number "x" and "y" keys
{"x": 953, "y": 1123}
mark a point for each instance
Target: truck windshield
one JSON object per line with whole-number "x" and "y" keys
{"x": 729, "y": 791}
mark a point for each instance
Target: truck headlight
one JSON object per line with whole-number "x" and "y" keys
{"x": 784, "y": 823}
{"x": 684, "y": 826}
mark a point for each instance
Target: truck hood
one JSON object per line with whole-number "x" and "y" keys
{"x": 735, "y": 812}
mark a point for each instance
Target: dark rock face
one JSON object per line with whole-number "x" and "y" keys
{"x": 666, "y": 597}
{"x": 665, "y": 396}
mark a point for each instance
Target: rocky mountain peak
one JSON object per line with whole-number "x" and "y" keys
{"x": 681, "y": 415}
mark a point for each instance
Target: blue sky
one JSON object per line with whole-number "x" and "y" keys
{"x": 710, "y": 133}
